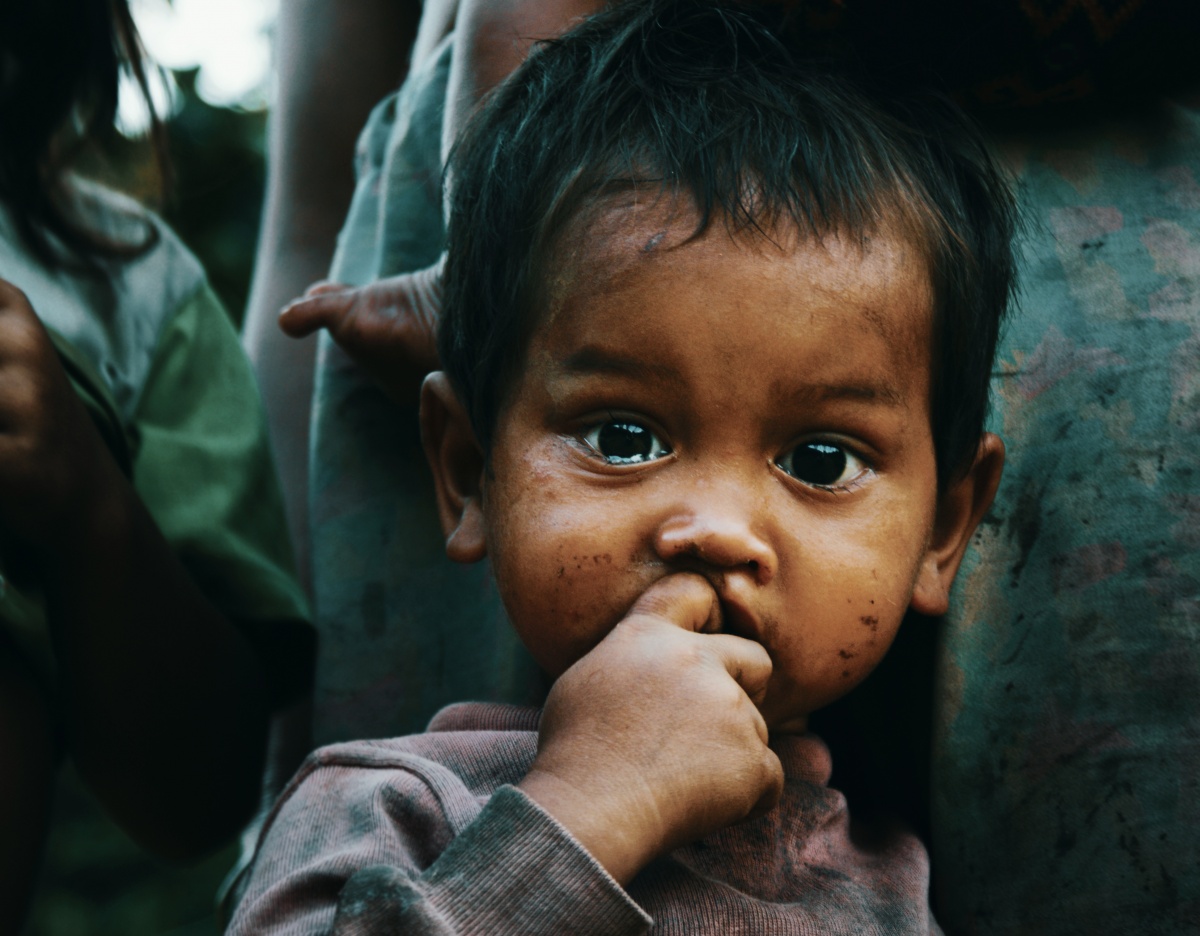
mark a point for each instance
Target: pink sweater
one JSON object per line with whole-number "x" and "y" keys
{"x": 427, "y": 835}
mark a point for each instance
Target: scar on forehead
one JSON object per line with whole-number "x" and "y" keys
{"x": 654, "y": 241}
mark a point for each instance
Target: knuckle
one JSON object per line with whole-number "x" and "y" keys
{"x": 733, "y": 699}
{"x": 767, "y": 782}
{"x": 774, "y": 772}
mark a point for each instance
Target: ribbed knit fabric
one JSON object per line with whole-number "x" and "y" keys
{"x": 427, "y": 835}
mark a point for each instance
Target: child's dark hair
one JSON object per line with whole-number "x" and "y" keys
{"x": 60, "y": 64}
{"x": 701, "y": 98}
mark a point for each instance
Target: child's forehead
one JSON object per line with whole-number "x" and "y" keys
{"x": 634, "y": 233}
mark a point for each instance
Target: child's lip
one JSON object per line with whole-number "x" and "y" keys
{"x": 737, "y": 618}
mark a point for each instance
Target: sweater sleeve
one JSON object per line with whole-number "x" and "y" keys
{"x": 353, "y": 853}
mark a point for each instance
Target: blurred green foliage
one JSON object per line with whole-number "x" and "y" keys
{"x": 218, "y": 158}
{"x": 95, "y": 881}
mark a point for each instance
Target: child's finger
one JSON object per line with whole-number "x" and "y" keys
{"x": 748, "y": 663}
{"x": 685, "y": 600}
{"x": 688, "y": 601}
{"x": 304, "y": 316}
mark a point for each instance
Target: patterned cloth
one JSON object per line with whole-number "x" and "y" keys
{"x": 426, "y": 835}
{"x": 1067, "y": 749}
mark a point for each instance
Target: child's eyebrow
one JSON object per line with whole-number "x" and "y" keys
{"x": 595, "y": 360}
{"x": 870, "y": 392}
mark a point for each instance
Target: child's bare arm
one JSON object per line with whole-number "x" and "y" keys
{"x": 162, "y": 697}
{"x": 334, "y": 60}
{"x": 494, "y": 37}
{"x": 653, "y": 739}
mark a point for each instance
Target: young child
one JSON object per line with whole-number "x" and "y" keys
{"x": 717, "y": 338}
{"x": 148, "y": 607}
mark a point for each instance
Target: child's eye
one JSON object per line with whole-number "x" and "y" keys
{"x": 624, "y": 442}
{"x": 822, "y": 465}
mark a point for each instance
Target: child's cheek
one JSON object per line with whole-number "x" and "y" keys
{"x": 848, "y": 588}
{"x": 832, "y": 655}
{"x": 561, "y": 565}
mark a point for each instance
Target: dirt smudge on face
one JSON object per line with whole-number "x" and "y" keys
{"x": 869, "y": 620}
{"x": 770, "y": 631}
{"x": 653, "y": 242}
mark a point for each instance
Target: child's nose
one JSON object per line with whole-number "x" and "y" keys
{"x": 718, "y": 536}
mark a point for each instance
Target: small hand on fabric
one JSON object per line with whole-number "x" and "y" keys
{"x": 54, "y": 467}
{"x": 162, "y": 698}
{"x": 388, "y": 327}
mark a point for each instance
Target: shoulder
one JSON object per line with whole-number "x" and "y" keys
{"x": 114, "y": 320}
{"x": 476, "y": 747}
{"x": 348, "y": 777}
{"x": 125, "y": 220}
{"x": 355, "y": 804}
{"x": 447, "y": 772}
{"x": 350, "y": 807}
{"x": 156, "y": 280}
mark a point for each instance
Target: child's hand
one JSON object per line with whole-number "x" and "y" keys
{"x": 53, "y": 463}
{"x": 654, "y": 738}
{"x": 389, "y": 327}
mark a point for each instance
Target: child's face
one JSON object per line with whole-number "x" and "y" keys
{"x": 755, "y": 412}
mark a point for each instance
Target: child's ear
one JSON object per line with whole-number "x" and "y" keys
{"x": 960, "y": 509}
{"x": 457, "y": 463}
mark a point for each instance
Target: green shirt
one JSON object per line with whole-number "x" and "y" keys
{"x": 156, "y": 360}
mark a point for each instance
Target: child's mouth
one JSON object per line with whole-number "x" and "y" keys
{"x": 737, "y": 619}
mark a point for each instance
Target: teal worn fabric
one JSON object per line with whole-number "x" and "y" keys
{"x": 402, "y": 630}
{"x": 1067, "y": 746}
